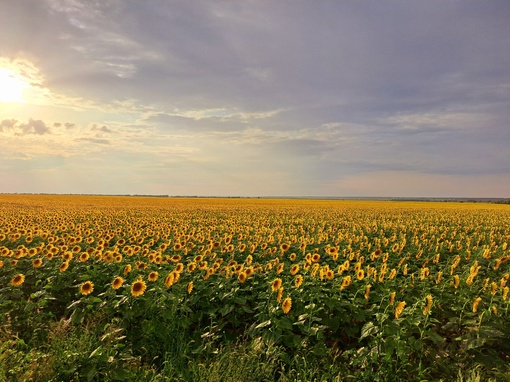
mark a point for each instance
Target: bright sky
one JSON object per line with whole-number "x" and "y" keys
{"x": 256, "y": 98}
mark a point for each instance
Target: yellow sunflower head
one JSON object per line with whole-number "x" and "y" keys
{"x": 138, "y": 288}
{"x": 298, "y": 281}
{"x": 286, "y": 305}
{"x": 153, "y": 276}
{"x": 37, "y": 263}
{"x": 18, "y": 280}
{"x": 241, "y": 277}
{"x": 63, "y": 267}
{"x": 86, "y": 288}
{"x": 117, "y": 283}
{"x": 277, "y": 283}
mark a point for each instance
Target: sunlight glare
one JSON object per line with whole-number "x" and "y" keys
{"x": 11, "y": 86}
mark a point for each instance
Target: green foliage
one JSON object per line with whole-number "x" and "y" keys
{"x": 229, "y": 327}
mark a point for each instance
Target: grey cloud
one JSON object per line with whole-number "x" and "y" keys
{"x": 34, "y": 127}
{"x": 7, "y": 124}
{"x": 95, "y": 140}
{"x": 102, "y": 129}
{"x": 69, "y": 125}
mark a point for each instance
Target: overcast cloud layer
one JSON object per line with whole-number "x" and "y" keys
{"x": 257, "y": 98}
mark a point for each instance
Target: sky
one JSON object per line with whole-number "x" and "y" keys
{"x": 354, "y": 98}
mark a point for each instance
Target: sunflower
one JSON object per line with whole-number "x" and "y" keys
{"x": 37, "y": 263}
{"x": 238, "y": 268}
{"x": 86, "y": 288}
{"x": 204, "y": 265}
{"x": 276, "y": 285}
{"x": 392, "y": 298}
{"x": 190, "y": 287}
{"x": 249, "y": 271}
{"x": 169, "y": 280}
{"x": 279, "y": 295}
{"x": 315, "y": 269}
{"x": 18, "y": 280}
{"x": 346, "y": 281}
{"x": 294, "y": 269}
{"x": 494, "y": 288}
{"x": 360, "y": 274}
{"x": 505, "y": 293}
{"x": 427, "y": 307}
{"x": 191, "y": 267}
{"x": 127, "y": 269}
{"x": 284, "y": 247}
{"x": 177, "y": 276}
{"x": 330, "y": 275}
{"x": 298, "y": 281}
{"x": 117, "y": 283}
{"x": 63, "y": 267}
{"x": 179, "y": 267}
{"x": 438, "y": 278}
{"x": 280, "y": 268}
{"x": 138, "y": 288}
{"x": 153, "y": 276}
{"x": 84, "y": 256}
{"x": 503, "y": 281}
{"x": 292, "y": 257}
{"x": 241, "y": 277}
{"x": 287, "y": 304}
{"x": 367, "y": 291}
{"x": 475, "y": 304}
{"x": 399, "y": 309}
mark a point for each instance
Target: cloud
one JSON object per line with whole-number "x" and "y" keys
{"x": 102, "y": 129}
{"x": 7, "y": 124}
{"x": 316, "y": 94}
{"x": 95, "y": 140}
{"x": 33, "y": 126}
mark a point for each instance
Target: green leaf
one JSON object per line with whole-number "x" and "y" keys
{"x": 283, "y": 323}
{"x": 263, "y": 324}
{"x": 476, "y": 343}
{"x": 226, "y": 309}
{"x": 368, "y": 329}
{"x": 434, "y": 337}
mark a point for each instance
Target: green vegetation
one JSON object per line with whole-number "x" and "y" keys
{"x": 115, "y": 289}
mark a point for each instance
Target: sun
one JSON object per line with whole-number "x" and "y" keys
{"x": 12, "y": 86}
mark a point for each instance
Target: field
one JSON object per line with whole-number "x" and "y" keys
{"x": 155, "y": 289}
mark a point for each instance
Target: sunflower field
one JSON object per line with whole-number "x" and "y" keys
{"x": 117, "y": 288}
